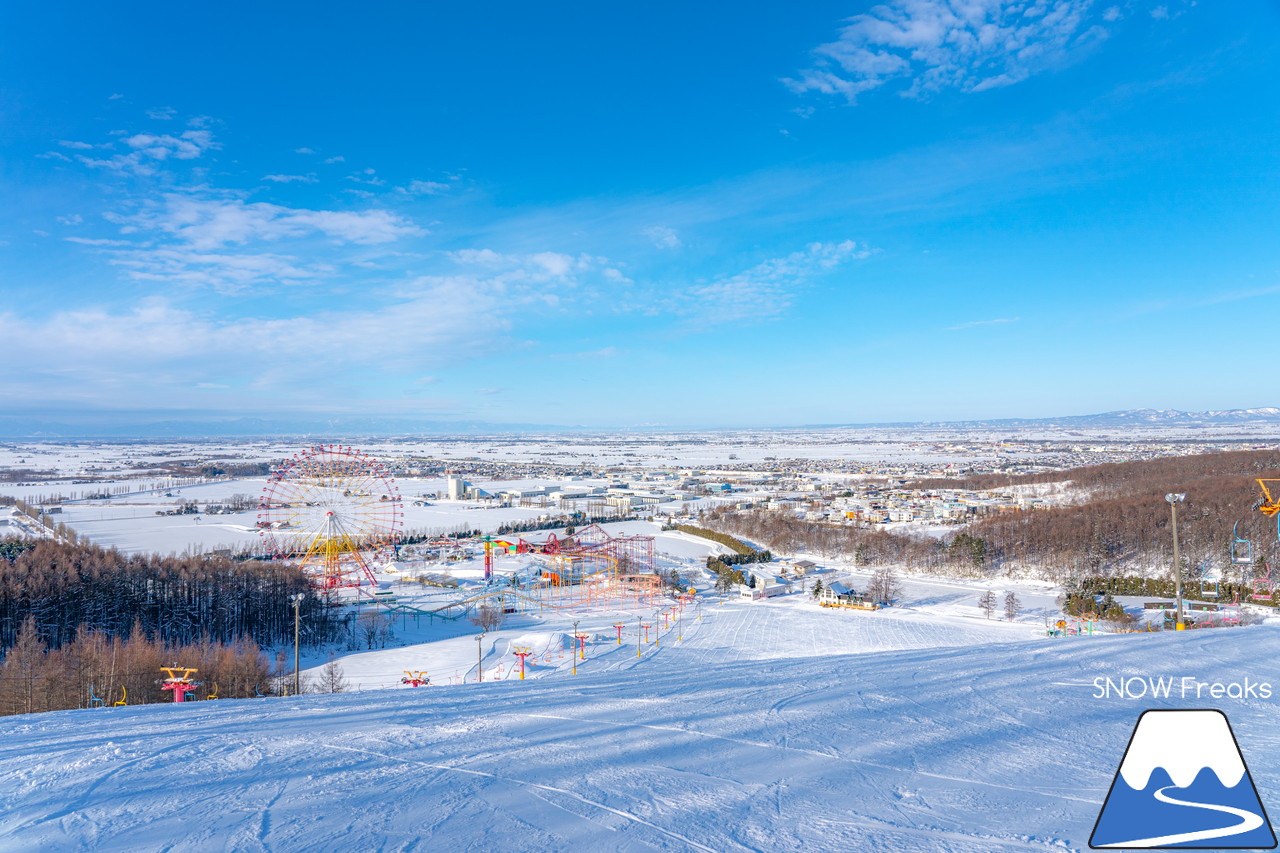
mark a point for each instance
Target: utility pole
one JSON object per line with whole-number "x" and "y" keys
{"x": 297, "y": 623}
{"x": 1173, "y": 500}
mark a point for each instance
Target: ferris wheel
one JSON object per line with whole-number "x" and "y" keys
{"x": 335, "y": 510}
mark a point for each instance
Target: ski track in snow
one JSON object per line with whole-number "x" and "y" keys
{"x": 769, "y": 727}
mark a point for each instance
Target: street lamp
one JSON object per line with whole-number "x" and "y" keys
{"x": 296, "y": 598}
{"x": 1174, "y": 499}
{"x": 479, "y": 658}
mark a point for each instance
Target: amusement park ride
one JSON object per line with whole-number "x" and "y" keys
{"x": 335, "y": 510}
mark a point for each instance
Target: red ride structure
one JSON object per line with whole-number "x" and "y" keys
{"x": 180, "y": 685}
{"x": 334, "y": 509}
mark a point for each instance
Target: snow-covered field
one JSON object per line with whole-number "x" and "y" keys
{"x": 749, "y": 735}
{"x": 762, "y": 726}
{"x": 770, "y": 725}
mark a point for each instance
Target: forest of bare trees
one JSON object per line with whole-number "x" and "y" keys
{"x": 175, "y": 599}
{"x": 1120, "y": 526}
{"x": 79, "y": 623}
{"x": 93, "y": 669}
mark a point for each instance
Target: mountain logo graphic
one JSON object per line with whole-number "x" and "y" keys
{"x": 1183, "y": 784}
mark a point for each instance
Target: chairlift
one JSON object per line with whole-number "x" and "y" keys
{"x": 1262, "y": 590}
{"x": 1241, "y": 549}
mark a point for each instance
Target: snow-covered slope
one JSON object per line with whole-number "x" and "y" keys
{"x": 990, "y": 746}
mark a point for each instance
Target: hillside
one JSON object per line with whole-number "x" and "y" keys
{"x": 993, "y": 744}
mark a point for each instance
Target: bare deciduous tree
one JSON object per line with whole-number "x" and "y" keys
{"x": 883, "y": 586}
{"x": 987, "y": 602}
{"x": 332, "y": 678}
{"x": 488, "y": 617}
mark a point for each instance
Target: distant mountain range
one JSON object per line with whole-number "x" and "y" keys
{"x": 123, "y": 427}
{"x": 1122, "y": 418}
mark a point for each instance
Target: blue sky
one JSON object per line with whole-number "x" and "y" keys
{"x": 639, "y": 214}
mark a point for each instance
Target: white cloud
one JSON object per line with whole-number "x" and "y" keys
{"x": 98, "y": 241}
{"x": 162, "y": 114}
{"x": 115, "y": 97}
{"x": 603, "y": 352}
{"x": 970, "y": 45}
{"x": 765, "y": 290}
{"x": 972, "y": 323}
{"x": 303, "y": 151}
{"x": 338, "y": 159}
{"x": 289, "y": 179}
{"x": 1112, "y": 14}
{"x": 149, "y": 150}
{"x": 221, "y": 271}
{"x": 190, "y": 145}
{"x": 367, "y": 176}
{"x": 54, "y": 155}
{"x": 1160, "y": 13}
{"x": 425, "y": 188}
{"x": 79, "y": 146}
{"x": 209, "y": 223}
{"x": 71, "y": 219}
{"x": 663, "y": 237}
{"x": 154, "y": 349}
{"x": 535, "y": 267}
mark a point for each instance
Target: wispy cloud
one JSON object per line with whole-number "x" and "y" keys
{"x": 589, "y": 355}
{"x": 162, "y": 114}
{"x": 149, "y": 150}
{"x": 663, "y": 237}
{"x": 367, "y": 176}
{"x": 970, "y": 45}
{"x": 290, "y": 179}
{"x": 203, "y": 222}
{"x": 765, "y": 290}
{"x": 972, "y": 323}
{"x": 425, "y": 188}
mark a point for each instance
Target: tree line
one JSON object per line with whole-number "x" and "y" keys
{"x": 1119, "y": 525}
{"x": 94, "y": 669}
{"x": 65, "y": 588}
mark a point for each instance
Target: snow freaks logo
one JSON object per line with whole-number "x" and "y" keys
{"x": 1183, "y": 783}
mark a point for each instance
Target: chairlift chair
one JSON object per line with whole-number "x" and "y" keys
{"x": 1241, "y": 549}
